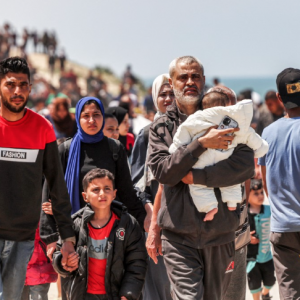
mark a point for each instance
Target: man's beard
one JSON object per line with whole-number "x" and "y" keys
{"x": 12, "y": 108}
{"x": 187, "y": 100}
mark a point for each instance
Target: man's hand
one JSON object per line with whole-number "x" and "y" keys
{"x": 188, "y": 178}
{"x": 254, "y": 240}
{"x": 73, "y": 259}
{"x": 67, "y": 249}
{"x": 217, "y": 138}
{"x": 47, "y": 208}
{"x": 149, "y": 210}
{"x": 123, "y": 298}
{"x": 153, "y": 243}
{"x": 50, "y": 250}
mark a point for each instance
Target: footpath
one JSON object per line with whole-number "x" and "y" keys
{"x": 274, "y": 291}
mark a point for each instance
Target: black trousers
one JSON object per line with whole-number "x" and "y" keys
{"x": 198, "y": 274}
{"x": 63, "y": 281}
{"x": 157, "y": 285}
{"x": 286, "y": 251}
{"x": 237, "y": 285}
{"x": 261, "y": 273}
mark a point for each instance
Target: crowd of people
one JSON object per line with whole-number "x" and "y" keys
{"x": 45, "y": 42}
{"x": 166, "y": 207}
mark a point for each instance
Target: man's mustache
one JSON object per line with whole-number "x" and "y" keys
{"x": 191, "y": 86}
{"x": 17, "y": 97}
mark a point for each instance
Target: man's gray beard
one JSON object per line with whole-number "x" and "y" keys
{"x": 186, "y": 100}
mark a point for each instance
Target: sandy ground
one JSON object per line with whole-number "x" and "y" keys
{"x": 274, "y": 292}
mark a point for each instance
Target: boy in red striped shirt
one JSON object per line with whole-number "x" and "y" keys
{"x": 110, "y": 247}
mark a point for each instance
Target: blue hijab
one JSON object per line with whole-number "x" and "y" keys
{"x": 73, "y": 167}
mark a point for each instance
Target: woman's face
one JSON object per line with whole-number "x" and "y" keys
{"x": 91, "y": 119}
{"x": 165, "y": 98}
{"x": 111, "y": 128}
{"x": 61, "y": 112}
{"x": 124, "y": 126}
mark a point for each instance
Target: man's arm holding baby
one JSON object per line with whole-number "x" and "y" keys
{"x": 169, "y": 169}
{"x": 236, "y": 169}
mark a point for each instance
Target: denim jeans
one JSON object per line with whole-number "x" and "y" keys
{"x": 36, "y": 292}
{"x": 14, "y": 258}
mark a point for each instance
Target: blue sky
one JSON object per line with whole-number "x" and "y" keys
{"x": 232, "y": 38}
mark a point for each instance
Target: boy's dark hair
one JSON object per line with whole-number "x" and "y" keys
{"x": 96, "y": 173}
{"x": 256, "y": 184}
{"x": 213, "y": 99}
{"x": 14, "y": 65}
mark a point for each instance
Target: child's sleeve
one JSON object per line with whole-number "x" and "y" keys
{"x": 135, "y": 263}
{"x": 258, "y": 144}
{"x": 57, "y": 255}
{"x": 57, "y": 266}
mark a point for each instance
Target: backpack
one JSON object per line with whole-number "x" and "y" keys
{"x": 144, "y": 180}
{"x": 114, "y": 146}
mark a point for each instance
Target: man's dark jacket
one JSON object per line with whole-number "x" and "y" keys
{"x": 178, "y": 217}
{"x": 126, "y": 257}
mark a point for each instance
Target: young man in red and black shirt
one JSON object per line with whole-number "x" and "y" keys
{"x": 27, "y": 151}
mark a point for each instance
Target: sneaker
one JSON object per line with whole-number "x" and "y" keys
{"x": 266, "y": 297}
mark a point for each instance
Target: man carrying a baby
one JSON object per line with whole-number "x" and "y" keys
{"x": 198, "y": 254}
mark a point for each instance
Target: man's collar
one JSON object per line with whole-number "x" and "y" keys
{"x": 181, "y": 115}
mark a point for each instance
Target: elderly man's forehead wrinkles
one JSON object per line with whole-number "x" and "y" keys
{"x": 189, "y": 68}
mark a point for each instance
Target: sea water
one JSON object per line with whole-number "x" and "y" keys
{"x": 260, "y": 85}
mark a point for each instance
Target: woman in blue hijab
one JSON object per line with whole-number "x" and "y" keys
{"x": 90, "y": 149}
{"x": 90, "y": 124}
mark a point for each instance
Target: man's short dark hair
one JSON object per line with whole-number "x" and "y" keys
{"x": 14, "y": 65}
{"x": 96, "y": 173}
{"x": 271, "y": 95}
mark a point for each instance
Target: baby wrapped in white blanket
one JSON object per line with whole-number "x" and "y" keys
{"x": 195, "y": 126}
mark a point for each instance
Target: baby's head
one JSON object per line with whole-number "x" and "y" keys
{"x": 214, "y": 98}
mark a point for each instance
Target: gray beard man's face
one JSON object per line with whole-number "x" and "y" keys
{"x": 187, "y": 100}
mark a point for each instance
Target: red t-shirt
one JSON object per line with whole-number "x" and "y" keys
{"x": 97, "y": 255}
